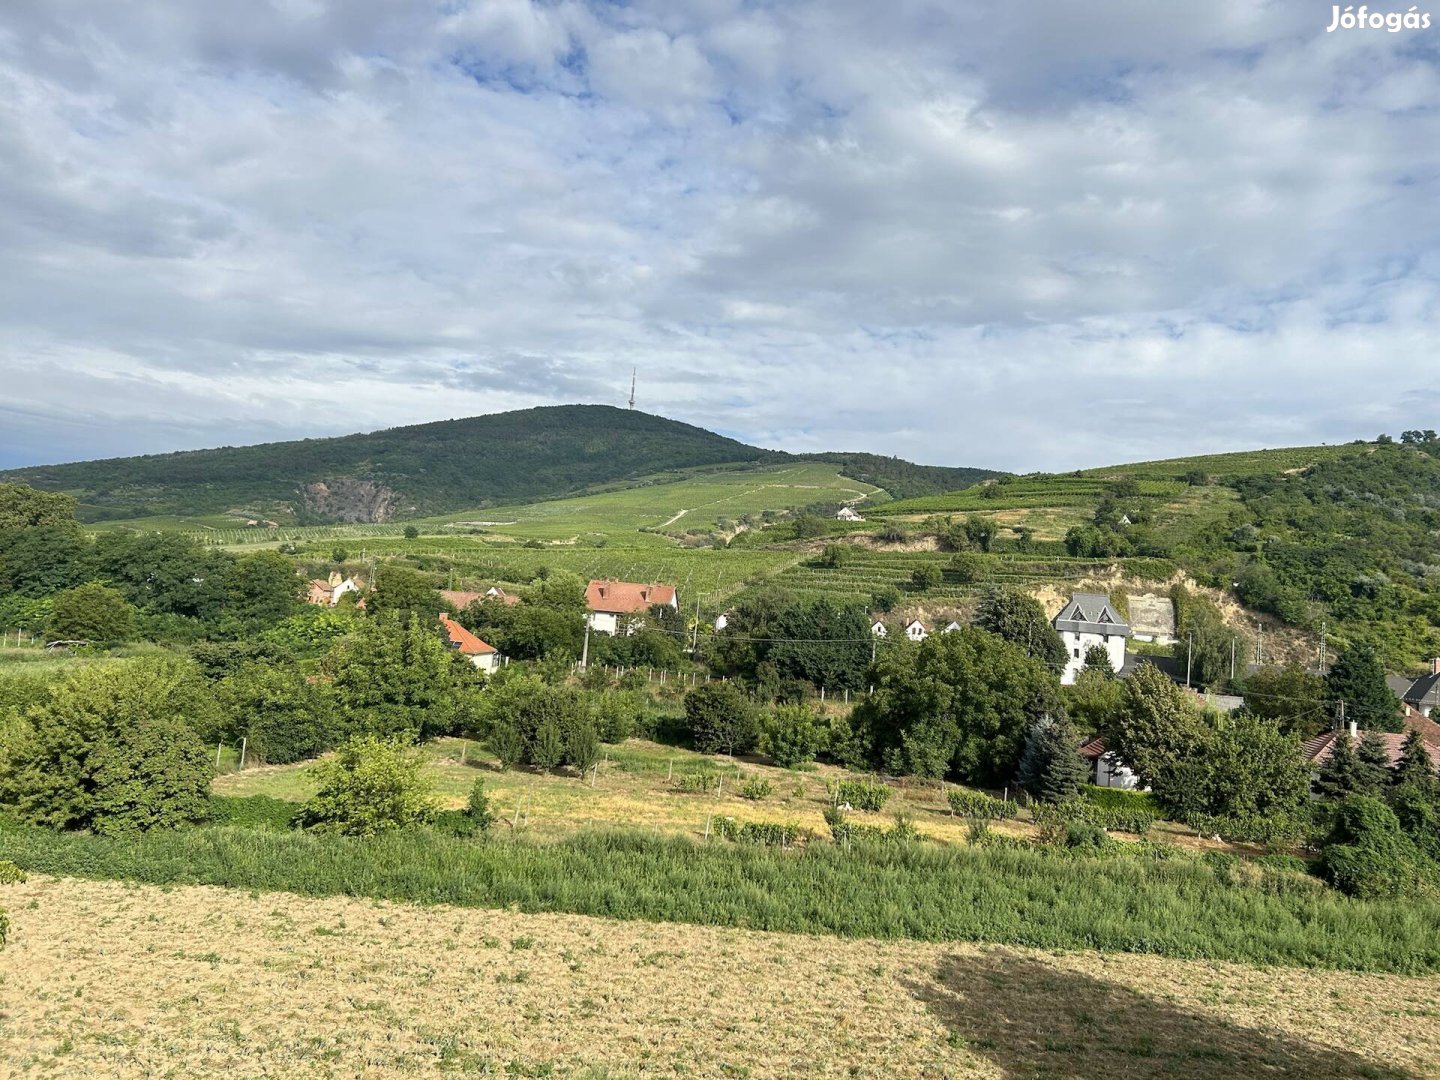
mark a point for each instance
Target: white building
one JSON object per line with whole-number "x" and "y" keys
{"x": 608, "y": 600}
{"x": 1106, "y": 769}
{"x": 915, "y": 630}
{"x": 879, "y": 629}
{"x": 847, "y": 513}
{"x": 328, "y": 593}
{"x": 1087, "y": 621}
{"x": 480, "y": 653}
{"x": 951, "y": 627}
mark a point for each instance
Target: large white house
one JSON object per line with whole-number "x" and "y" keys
{"x": 1086, "y": 621}
{"x": 609, "y": 600}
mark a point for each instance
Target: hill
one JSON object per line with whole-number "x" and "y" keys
{"x": 429, "y": 469}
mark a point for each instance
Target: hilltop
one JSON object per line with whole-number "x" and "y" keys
{"x": 427, "y": 469}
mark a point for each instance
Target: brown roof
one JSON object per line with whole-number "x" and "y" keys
{"x": 463, "y": 640}
{"x": 463, "y": 598}
{"x": 623, "y": 597}
{"x": 1095, "y": 748}
{"x": 1318, "y": 749}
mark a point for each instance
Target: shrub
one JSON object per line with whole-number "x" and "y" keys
{"x": 252, "y": 811}
{"x": 763, "y": 833}
{"x": 792, "y": 735}
{"x": 1055, "y": 818}
{"x": 756, "y": 789}
{"x": 92, "y": 613}
{"x": 860, "y": 794}
{"x": 478, "y": 808}
{"x": 110, "y": 749}
{"x": 283, "y": 717}
{"x": 370, "y": 786}
{"x": 695, "y": 783}
{"x": 1122, "y": 799}
{"x": 1369, "y": 855}
{"x": 720, "y": 719}
{"x": 614, "y": 715}
{"x": 1249, "y": 828}
{"x": 976, "y": 804}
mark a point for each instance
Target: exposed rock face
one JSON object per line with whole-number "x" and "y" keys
{"x": 349, "y": 500}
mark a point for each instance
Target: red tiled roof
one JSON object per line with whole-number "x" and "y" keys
{"x": 623, "y": 597}
{"x": 1095, "y": 748}
{"x": 1318, "y": 749}
{"x": 463, "y": 640}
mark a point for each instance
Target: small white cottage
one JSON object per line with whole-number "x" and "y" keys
{"x": 1086, "y": 621}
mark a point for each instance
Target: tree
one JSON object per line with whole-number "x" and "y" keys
{"x": 408, "y": 593}
{"x": 370, "y": 786}
{"x": 1358, "y": 680}
{"x": 1157, "y": 728}
{"x": 23, "y": 507}
{"x": 1210, "y": 644}
{"x": 411, "y": 532}
{"x": 1374, "y": 762}
{"x": 91, "y": 613}
{"x": 962, "y": 703}
{"x": 835, "y": 555}
{"x": 1019, "y": 618}
{"x": 1051, "y": 769}
{"x": 925, "y": 577}
{"x": 964, "y": 567}
{"x": 393, "y": 680}
{"x": 1094, "y": 700}
{"x": 1415, "y": 769}
{"x": 1344, "y": 773}
{"x": 1291, "y": 696}
{"x": 263, "y": 588}
{"x": 1248, "y": 769}
{"x": 338, "y": 554}
{"x": 792, "y": 735}
{"x": 824, "y": 642}
{"x": 115, "y": 749}
{"x": 720, "y": 719}
{"x": 980, "y": 531}
{"x": 1097, "y": 659}
{"x": 477, "y": 808}
{"x": 281, "y": 714}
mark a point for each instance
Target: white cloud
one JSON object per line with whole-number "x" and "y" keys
{"x": 1028, "y": 235}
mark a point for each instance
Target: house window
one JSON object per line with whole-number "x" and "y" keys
{"x": 1076, "y": 652}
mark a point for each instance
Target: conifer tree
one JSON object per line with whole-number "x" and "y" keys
{"x": 1051, "y": 768}
{"x": 1415, "y": 769}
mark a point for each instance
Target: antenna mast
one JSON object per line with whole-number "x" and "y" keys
{"x": 632, "y": 388}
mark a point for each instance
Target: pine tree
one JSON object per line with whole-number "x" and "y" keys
{"x": 1051, "y": 768}
{"x": 1415, "y": 769}
{"x": 1358, "y": 680}
{"x": 1340, "y": 775}
{"x": 1374, "y": 764}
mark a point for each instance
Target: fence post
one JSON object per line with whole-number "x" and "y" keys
{"x": 218, "y": 747}
{"x": 242, "y": 752}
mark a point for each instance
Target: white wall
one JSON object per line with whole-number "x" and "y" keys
{"x": 1110, "y": 773}
{"x": 603, "y": 622}
{"x": 1077, "y": 645}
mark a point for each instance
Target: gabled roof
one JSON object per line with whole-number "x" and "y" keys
{"x": 1094, "y": 748}
{"x": 624, "y": 597}
{"x": 1317, "y": 749}
{"x": 1090, "y": 613}
{"x": 1423, "y": 691}
{"x": 463, "y": 640}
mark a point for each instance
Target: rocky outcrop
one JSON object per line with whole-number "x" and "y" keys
{"x": 349, "y": 500}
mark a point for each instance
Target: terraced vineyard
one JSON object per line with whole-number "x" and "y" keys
{"x": 1024, "y": 494}
{"x": 1241, "y": 463}
{"x": 869, "y": 571}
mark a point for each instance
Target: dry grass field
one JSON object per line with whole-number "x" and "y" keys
{"x": 105, "y": 979}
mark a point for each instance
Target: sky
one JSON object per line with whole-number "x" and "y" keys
{"x": 1029, "y": 236}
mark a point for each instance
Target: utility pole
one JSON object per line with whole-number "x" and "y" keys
{"x": 1232, "y": 658}
{"x": 1322, "y": 647}
{"x": 695, "y": 630}
{"x": 585, "y": 649}
{"x": 632, "y": 388}
{"x": 1189, "y": 648}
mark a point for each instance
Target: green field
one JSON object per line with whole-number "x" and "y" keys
{"x": 1240, "y": 463}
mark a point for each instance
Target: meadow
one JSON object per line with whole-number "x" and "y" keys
{"x": 102, "y": 978}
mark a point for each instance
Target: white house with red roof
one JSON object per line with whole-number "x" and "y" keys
{"x": 327, "y": 593}
{"x": 609, "y": 600}
{"x": 482, "y": 654}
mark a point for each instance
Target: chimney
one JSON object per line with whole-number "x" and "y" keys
{"x": 1435, "y": 666}
{"x": 1354, "y": 731}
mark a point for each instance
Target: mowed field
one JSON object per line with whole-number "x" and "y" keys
{"x": 113, "y": 980}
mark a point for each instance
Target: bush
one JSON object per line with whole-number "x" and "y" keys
{"x": 859, "y": 794}
{"x": 792, "y": 735}
{"x": 1369, "y": 855}
{"x": 756, "y": 789}
{"x": 1122, "y": 799}
{"x": 976, "y": 804}
{"x": 694, "y": 783}
{"x": 720, "y": 719}
{"x": 1055, "y": 819}
{"x": 763, "y": 833}
{"x": 478, "y": 808}
{"x": 370, "y": 786}
{"x": 614, "y": 715}
{"x": 1249, "y": 828}
{"x": 283, "y": 717}
{"x": 110, "y": 749}
{"x": 253, "y": 811}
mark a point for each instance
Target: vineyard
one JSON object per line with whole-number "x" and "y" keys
{"x": 1023, "y": 494}
{"x": 1241, "y": 463}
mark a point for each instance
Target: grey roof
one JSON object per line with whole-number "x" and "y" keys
{"x": 1399, "y": 684}
{"x": 1090, "y": 613}
{"x": 1424, "y": 690}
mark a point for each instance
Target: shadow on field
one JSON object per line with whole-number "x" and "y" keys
{"x": 1031, "y": 1019}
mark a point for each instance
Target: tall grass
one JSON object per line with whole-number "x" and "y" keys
{"x": 1176, "y": 908}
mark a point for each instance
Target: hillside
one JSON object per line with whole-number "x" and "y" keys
{"x": 436, "y": 468}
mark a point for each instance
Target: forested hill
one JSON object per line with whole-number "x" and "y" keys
{"x": 434, "y": 468}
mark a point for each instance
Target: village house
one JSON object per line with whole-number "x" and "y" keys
{"x": 879, "y": 629}
{"x": 1087, "y": 621}
{"x": 464, "y": 598}
{"x": 1318, "y": 749}
{"x": 484, "y": 656}
{"x": 1422, "y": 694}
{"x": 609, "y": 600}
{"x": 328, "y": 592}
{"x": 951, "y": 626}
{"x": 847, "y": 513}
{"x": 915, "y": 630}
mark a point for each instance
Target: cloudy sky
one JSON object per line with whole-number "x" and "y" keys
{"x": 1024, "y": 235}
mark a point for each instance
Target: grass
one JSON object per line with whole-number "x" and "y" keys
{"x": 1171, "y": 907}
{"x": 103, "y": 978}
{"x": 638, "y": 785}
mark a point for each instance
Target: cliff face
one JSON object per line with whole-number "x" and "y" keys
{"x": 349, "y": 500}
